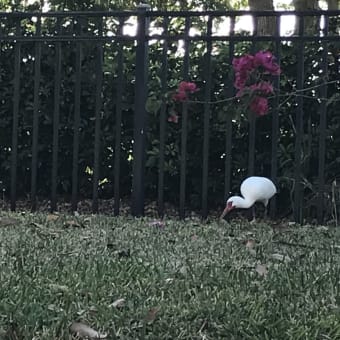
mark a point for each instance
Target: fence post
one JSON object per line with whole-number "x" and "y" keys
{"x": 140, "y": 115}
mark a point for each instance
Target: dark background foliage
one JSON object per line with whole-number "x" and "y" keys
{"x": 220, "y": 76}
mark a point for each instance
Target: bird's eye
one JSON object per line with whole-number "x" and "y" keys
{"x": 230, "y": 205}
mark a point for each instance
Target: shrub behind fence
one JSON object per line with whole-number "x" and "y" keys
{"x": 86, "y": 97}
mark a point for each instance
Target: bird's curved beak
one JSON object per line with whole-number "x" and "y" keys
{"x": 225, "y": 211}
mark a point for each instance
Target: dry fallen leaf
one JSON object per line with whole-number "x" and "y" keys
{"x": 159, "y": 224}
{"x": 194, "y": 237}
{"x": 83, "y": 331}
{"x": 118, "y": 303}
{"x": 250, "y": 244}
{"x": 281, "y": 257}
{"x": 44, "y": 232}
{"x": 8, "y": 221}
{"x": 72, "y": 224}
{"x": 261, "y": 269}
{"x": 152, "y": 314}
{"x": 52, "y": 217}
{"x": 60, "y": 288}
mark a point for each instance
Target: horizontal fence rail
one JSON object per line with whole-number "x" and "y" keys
{"x": 88, "y": 114}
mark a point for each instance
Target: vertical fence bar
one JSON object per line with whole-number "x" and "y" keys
{"x": 36, "y": 104}
{"x": 76, "y": 122}
{"x": 229, "y": 125}
{"x": 16, "y": 99}
{"x": 162, "y": 123}
{"x": 98, "y": 108}
{"x": 322, "y": 126}
{"x": 118, "y": 126}
{"x": 252, "y": 121}
{"x": 206, "y": 123}
{"x": 251, "y": 148}
{"x": 140, "y": 117}
{"x": 299, "y": 127}
{"x": 56, "y": 113}
{"x": 275, "y": 119}
{"x": 184, "y": 128}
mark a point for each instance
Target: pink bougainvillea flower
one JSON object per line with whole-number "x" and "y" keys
{"x": 173, "y": 119}
{"x": 240, "y": 92}
{"x": 244, "y": 64}
{"x": 266, "y": 60}
{"x": 240, "y": 80}
{"x": 180, "y": 96}
{"x": 186, "y": 86}
{"x": 259, "y": 105}
{"x": 263, "y": 87}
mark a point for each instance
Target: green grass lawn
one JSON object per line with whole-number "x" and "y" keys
{"x": 186, "y": 280}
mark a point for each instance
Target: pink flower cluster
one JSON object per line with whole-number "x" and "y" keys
{"x": 184, "y": 88}
{"x": 181, "y": 95}
{"x": 248, "y": 72}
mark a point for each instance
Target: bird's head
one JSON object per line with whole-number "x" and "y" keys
{"x": 232, "y": 203}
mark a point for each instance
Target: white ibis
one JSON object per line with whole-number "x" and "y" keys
{"x": 253, "y": 189}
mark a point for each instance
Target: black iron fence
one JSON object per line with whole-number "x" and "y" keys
{"x": 83, "y": 111}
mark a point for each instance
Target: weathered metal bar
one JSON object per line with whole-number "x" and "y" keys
{"x": 275, "y": 121}
{"x": 118, "y": 125}
{"x": 174, "y": 37}
{"x": 206, "y": 123}
{"x": 98, "y": 108}
{"x": 56, "y": 114}
{"x": 162, "y": 122}
{"x": 230, "y": 91}
{"x": 322, "y": 127}
{"x": 252, "y": 122}
{"x": 157, "y": 13}
{"x": 76, "y": 122}
{"x": 184, "y": 130}
{"x": 36, "y": 105}
{"x": 140, "y": 116}
{"x": 16, "y": 100}
{"x": 298, "y": 194}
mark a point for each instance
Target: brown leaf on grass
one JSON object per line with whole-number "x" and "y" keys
{"x": 52, "y": 217}
{"x": 12, "y": 332}
{"x": 261, "y": 269}
{"x": 118, "y": 303}
{"x": 73, "y": 224}
{"x": 83, "y": 331}
{"x": 152, "y": 314}
{"x": 158, "y": 223}
{"x": 8, "y": 221}
{"x": 281, "y": 257}
{"x": 124, "y": 253}
{"x": 194, "y": 237}
{"x": 250, "y": 245}
{"x": 59, "y": 288}
{"x": 44, "y": 232}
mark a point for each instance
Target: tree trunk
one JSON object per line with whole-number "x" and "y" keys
{"x": 311, "y": 24}
{"x": 263, "y": 25}
{"x": 333, "y": 4}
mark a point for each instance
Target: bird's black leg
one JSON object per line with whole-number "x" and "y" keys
{"x": 253, "y": 211}
{"x": 265, "y": 215}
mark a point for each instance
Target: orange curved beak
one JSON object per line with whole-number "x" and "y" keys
{"x": 226, "y": 210}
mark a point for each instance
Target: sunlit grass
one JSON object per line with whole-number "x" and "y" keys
{"x": 202, "y": 279}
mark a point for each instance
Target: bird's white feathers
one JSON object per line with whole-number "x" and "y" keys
{"x": 254, "y": 189}
{"x": 258, "y": 189}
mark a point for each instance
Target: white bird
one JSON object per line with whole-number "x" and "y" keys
{"x": 253, "y": 189}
